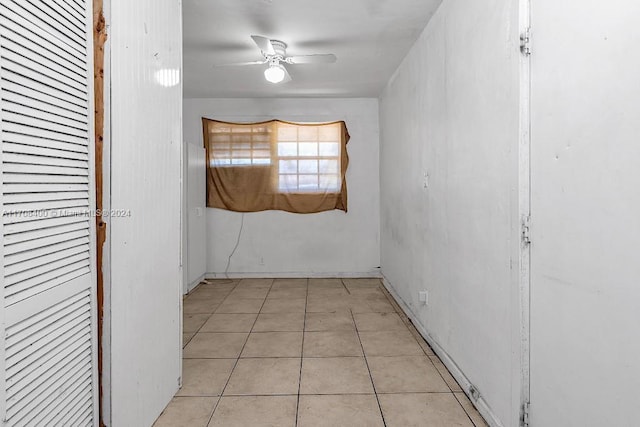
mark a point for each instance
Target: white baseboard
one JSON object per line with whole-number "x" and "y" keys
{"x": 481, "y": 405}
{"x": 295, "y": 275}
{"x": 195, "y": 283}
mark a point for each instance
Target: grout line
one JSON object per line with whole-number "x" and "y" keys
{"x": 239, "y": 354}
{"x": 408, "y": 324}
{"x": 345, "y": 286}
{"x": 304, "y": 326}
{"x": 455, "y": 395}
{"x": 366, "y": 361}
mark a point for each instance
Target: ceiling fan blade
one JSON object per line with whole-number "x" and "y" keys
{"x": 264, "y": 44}
{"x": 312, "y": 59}
{"x": 241, "y": 64}
{"x": 287, "y": 76}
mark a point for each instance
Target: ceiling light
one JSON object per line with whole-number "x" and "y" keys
{"x": 275, "y": 73}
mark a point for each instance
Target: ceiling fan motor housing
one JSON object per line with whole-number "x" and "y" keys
{"x": 280, "y": 48}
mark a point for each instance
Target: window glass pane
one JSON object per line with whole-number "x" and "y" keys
{"x": 261, "y": 161}
{"x": 287, "y": 133}
{"x": 308, "y": 182}
{"x": 308, "y": 166}
{"x": 241, "y": 161}
{"x": 308, "y": 149}
{"x": 220, "y": 138}
{"x": 329, "y": 166}
{"x": 308, "y": 133}
{"x": 287, "y": 149}
{"x": 288, "y": 166}
{"x": 330, "y": 182}
{"x": 246, "y": 154}
{"x": 261, "y": 146}
{"x": 329, "y": 149}
{"x": 237, "y": 139}
{"x": 221, "y": 162}
{"x": 288, "y": 183}
{"x": 329, "y": 133}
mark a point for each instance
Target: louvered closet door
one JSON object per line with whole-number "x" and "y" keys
{"x": 48, "y": 236}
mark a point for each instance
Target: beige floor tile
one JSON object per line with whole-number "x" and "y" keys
{"x": 222, "y": 282}
{"x": 255, "y": 283}
{"x": 367, "y": 304}
{"x": 424, "y": 409}
{"x": 326, "y": 282}
{"x": 194, "y": 305}
{"x": 331, "y": 344}
{"x": 405, "y": 374}
{"x": 255, "y": 411}
{"x": 248, "y": 293}
{"x": 210, "y": 292}
{"x": 326, "y": 304}
{"x": 339, "y": 411}
{"x": 273, "y": 344}
{"x": 186, "y": 337}
{"x": 288, "y": 293}
{"x": 193, "y": 322}
{"x": 229, "y": 323}
{"x": 448, "y": 378}
{"x": 425, "y": 347}
{"x": 471, "y": 411}
{"x": 240, "y": 306}
{"x": 368, "y": 322}
{"x": 289, "y": 283}
{"x": 331, "y": 293}
{"x": 362, "y": 283}
{"x": 367, "y": 292}
{"x": 340, "y": 321}
{"x": 264, "y": 377}
{"x": 279, "y": 322}
{"x": 215, "y": 346}
{"x": 296, "y": 305}
{"x": 390, "y": 343}
{"x": 187, "y": 411}
{"x": 205, "y": 377}
{"x": 335, "y": 375}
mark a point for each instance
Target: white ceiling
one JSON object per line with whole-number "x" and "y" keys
{"x": 369, "y": 37}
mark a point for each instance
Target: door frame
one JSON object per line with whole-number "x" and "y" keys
{"x": 524, "y": 208}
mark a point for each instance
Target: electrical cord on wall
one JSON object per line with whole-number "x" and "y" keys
{"x": 235, "y": 248}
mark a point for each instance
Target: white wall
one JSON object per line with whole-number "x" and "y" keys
{"x": 585, "y": 287}
{"x": 451, "y": 112}
{"x": 275, "y": 243}
{"x": 145, "y": 149}
{"x": 195, "y": 247}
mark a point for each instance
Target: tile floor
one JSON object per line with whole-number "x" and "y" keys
{"x": 308, "y": 352}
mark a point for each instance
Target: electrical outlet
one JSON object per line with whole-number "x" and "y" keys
{"x": 424, "y": 297}
{"x": 261, "y": 261}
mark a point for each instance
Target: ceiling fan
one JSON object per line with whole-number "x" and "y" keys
{"x": 275, "y": 54}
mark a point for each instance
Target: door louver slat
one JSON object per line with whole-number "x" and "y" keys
{"x": 48, "y": 235}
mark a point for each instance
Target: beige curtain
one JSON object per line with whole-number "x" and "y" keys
{"x": 276, "y": 165}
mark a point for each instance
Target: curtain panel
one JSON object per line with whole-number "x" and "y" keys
{"x": 276, "y": 165}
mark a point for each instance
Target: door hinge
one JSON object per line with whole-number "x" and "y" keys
{"x": 525, "y": 42}
{"x": 525, "y": 414}
{"x": 526, "y": 229}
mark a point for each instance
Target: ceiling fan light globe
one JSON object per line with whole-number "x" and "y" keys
{"x": 274, "y": 74}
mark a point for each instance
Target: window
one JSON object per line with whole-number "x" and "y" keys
{"x": 240, "y": 145}
{"x": 308, "y": 158}
{"x": 276, "y": 165}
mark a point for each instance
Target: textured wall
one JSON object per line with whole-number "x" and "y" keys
{"x": 450, "y": 112}
{"x": 283, "y": 244}
{"x": 146, "y": 134}
{"x": 585, "y": 293}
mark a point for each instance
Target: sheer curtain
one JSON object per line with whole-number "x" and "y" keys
{"x": 276, "y": 165}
